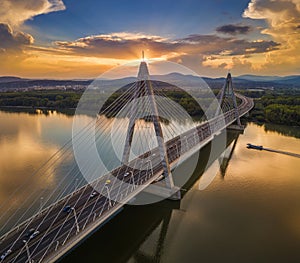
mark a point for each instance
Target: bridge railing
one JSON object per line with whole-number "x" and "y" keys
{"x": 203, "y": 130}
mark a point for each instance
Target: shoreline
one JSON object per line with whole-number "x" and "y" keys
{"x": 64, "y": 110}
{"x": 34, "y": 108}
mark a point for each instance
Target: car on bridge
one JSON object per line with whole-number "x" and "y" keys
{"x": 127, "y": 173}
{"x": 5, "y": 254}
{"x": 35, "y": 233}
{"x": 29, "y": 232}
{"x": 93, "y": 194}
{"x": 67, "y": 209}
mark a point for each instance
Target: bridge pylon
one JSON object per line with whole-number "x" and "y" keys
{"x": 227, "y": 100}
{"x": 144, "y": 88}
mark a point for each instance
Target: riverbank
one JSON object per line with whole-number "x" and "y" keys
{"x": 280, "y": 106}
{"x": 277, "y": 107}
{"x": 267, "y": 110}
{"x": 37, "y": 110}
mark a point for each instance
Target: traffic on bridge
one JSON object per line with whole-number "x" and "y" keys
{"x": 53, "y": 231}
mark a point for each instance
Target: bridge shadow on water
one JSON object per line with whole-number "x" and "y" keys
{"x": 125, "y": 238}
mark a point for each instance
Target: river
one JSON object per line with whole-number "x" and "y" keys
{"x": 249, "y": 212}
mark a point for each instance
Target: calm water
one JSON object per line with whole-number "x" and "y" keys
{"x": 249, "y": 213}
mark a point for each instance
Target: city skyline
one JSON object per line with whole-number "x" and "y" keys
{"x": 64, "y": 39}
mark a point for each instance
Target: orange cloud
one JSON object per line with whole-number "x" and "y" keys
{"x": 206, "y": 54}
{"x": 15, "y": 12}
{"x": 85, "y": 56}
{"x": 13, "y": 40}
{"x": 283, "y": 19}
{"x": 90, "y": 56}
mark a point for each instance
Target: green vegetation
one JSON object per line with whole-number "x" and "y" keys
{"x": 280, "y": 107}
{"x": 56, "y": 99}
{"x": 186, "y": 101}
{"x": 283, "y": 129}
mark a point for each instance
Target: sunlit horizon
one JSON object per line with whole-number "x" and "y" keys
{"x": 58, "y": 40}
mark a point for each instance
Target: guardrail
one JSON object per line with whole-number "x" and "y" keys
{"x": 204, "y": 130}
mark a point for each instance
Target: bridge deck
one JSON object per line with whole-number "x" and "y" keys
{"x": 58, "y": 229}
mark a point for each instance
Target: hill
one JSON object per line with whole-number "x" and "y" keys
{"x": 240, "y": 82}
{"x": 7, "y": 79}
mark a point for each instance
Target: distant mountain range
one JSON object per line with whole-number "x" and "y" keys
{"x": 9, "y": 79}
{"x": 287, "y": 79}
{"x": 243, "y": 81}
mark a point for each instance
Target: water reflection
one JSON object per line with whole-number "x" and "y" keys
{"x": 141, "y": 232}
{"x": 37, "y": 111}
{"x": 283, "y": 130}
{"x": 250, "y": 215}
{"x": 26, "y": 143}
{"x": 226, "y": 157}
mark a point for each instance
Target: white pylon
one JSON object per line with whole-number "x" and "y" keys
{"x": 144, "y": 84}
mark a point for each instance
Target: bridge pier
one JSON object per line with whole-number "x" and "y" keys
{"x": 159, "y": 189}
{"x": 236, "y": 127}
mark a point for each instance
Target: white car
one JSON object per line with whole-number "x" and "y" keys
{"x": 34, "y": 234}
{"x": 126, "y": 174}
{"x": 30, "y": 232}
{"x": 5, "y": 254}
{"x": 93, "y": 194}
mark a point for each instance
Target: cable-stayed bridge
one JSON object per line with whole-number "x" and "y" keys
{"x": 57, "y": 228}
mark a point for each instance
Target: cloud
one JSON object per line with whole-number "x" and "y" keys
{"x": 274, "y": 11}
{"x": 10, "y": 40}
{"x": 199, "y": 52}
{"x": 13, "y": 42}
{"x": 12, "y": 48}
{"x": 278, "y": 49}
{"x": 215, "y": 45}
{"x": 121, "y": 45}
{"x": 118, "y": 45}
{"x": 15, "y": 12}
{"x": 282, "y": 16}
{"x": 233, "y": 29}
{"x": 237, "y": 64}
{"x": 86, "y": 56}
{"x": 283, "y": 20}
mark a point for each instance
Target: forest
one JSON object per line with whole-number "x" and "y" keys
{"x": 52, "y": 99}
{"x": 281, "y": 106}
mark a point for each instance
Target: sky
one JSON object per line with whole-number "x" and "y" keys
{"x": 66, "y": 39}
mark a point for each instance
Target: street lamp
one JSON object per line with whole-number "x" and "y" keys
{"x": 195, "y": 138}
{"x": 187, "y": 143}
{"x": 76, "y": 221}
{"x": 132, "y": 178}
{"x": 149, "y": 161}
{"x": 177, "y": 149}
{"x": 27, "y": 250}
{"x": 76, "y": 184}
{"x": 108, "y": 192}
{"x": 41, "y": 203}
{"x": 57, "y": 243}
